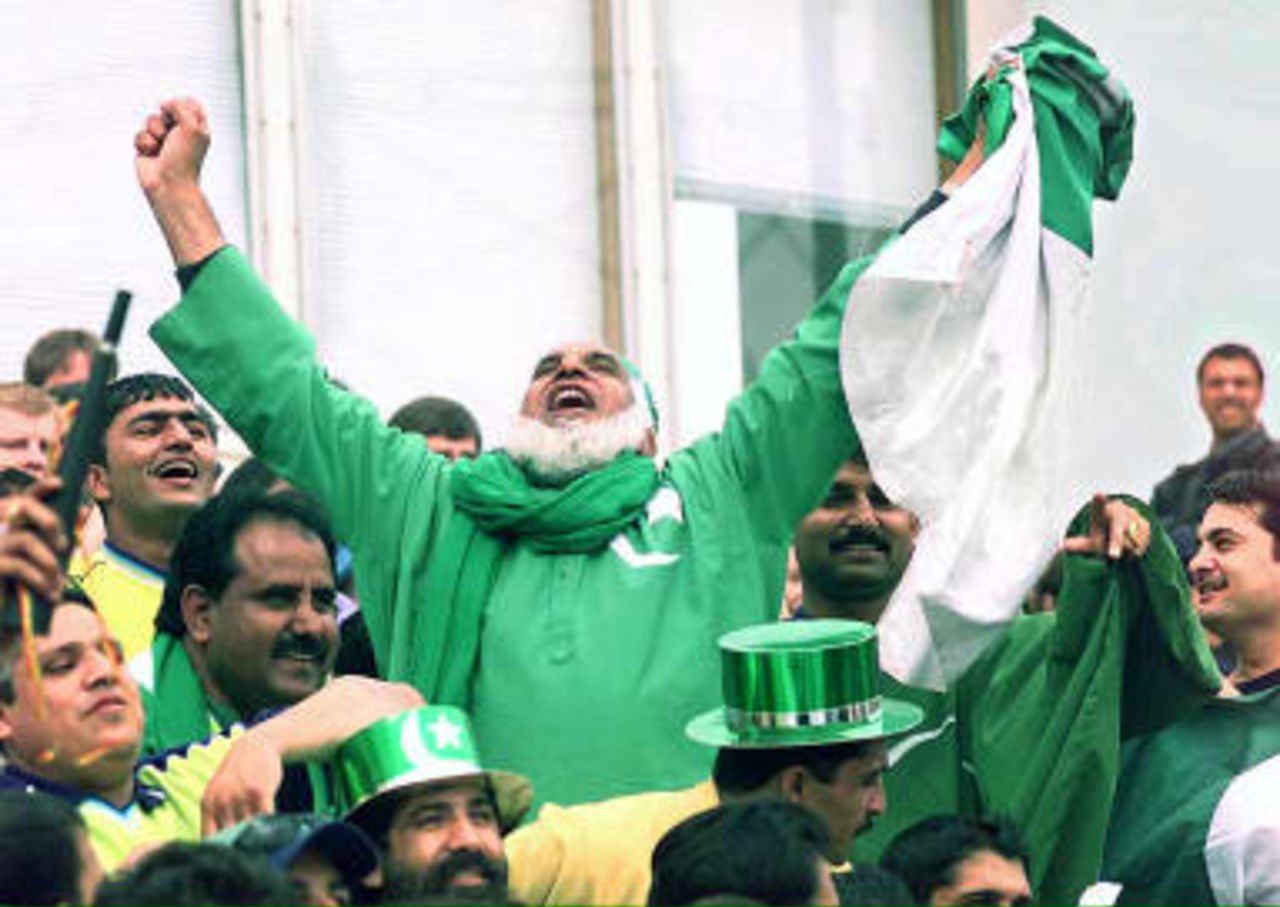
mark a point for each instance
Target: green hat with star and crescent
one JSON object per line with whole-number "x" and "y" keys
{"x": 429, "y": 745}
{"x": 801, "y": 683}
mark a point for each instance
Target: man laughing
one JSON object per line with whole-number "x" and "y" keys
{"x": 155, "y": 463}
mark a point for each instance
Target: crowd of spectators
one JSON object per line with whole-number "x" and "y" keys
{"x": 375, "y": 663}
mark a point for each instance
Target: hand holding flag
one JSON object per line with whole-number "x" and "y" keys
{"x": 1115, "y": 530}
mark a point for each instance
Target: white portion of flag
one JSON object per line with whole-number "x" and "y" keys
{"x": 1242, "y": 848}
{"x": 956, "y": 355}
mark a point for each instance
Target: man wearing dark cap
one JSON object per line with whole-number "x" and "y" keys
{"x": 326, "y": 861}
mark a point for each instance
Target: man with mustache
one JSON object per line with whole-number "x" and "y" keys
{"x": 72, "y": 724}
{"x": 853, "y": 548}
{"x": 1230, "y": 382}
{"x": 155, "y": 464}
{"x": 249, "y": 619}
{"x": 567, "y": 582}
{"x": 414, "y": 784}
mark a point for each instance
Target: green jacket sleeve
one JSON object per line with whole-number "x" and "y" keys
{"x": 784, "y": 437}
{"x": 230, "y": 338}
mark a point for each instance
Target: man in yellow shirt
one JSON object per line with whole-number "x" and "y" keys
{"x": 803, "y": 721}
{"x": 156, "y": 464}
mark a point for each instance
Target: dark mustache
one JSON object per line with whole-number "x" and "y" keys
{"x": 460, "y": 861}
{"x": 300, "y": 645}
{"x": 862, "y": 534}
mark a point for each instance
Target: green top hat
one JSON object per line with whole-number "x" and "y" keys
{"x": 801, "y": 683}
{"x": 428, "y": 745}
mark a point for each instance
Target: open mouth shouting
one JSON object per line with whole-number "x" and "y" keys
{"x": 180, "y": 472}
{"x": 569, "y": 400}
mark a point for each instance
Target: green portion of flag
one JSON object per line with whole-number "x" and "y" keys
{"x": 1126, "y": 655}
{"x": 1039, "y": 719}
{"x": 1084, "y": 126}
{"x": 1171, "y": 783}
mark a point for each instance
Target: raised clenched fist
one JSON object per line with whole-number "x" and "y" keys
{"x": 171, "y": 146}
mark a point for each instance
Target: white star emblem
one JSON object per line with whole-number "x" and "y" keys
{"x": 448, "y": 735}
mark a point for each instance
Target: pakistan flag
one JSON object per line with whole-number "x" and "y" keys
{"x": 961, "y": 356}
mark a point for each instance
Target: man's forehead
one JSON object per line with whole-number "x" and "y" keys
{"x": 870, "y": 759}
{"x": 578, "y": 348}
{"x": 1220, "y": 366}
{"x": 1240, "y": 518}
{"x": 13, "y": 420}
{"x": 876, "y": 755}
{"x": 158, "y": 407}
{"x": 72, "y": 622}
{"x": 441, "y": 792}
{"x": 269, "y": 545}
{"x": 854, "y": 473}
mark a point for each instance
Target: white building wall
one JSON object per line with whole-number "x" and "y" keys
{"x": 818, "y": 108}
{"x": 79, "y": 76}
{"x": 1187, "y": 257}
{"x": 449, "y": 167}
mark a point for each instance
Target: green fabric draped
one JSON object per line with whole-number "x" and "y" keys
{"x": 178, "y": 712}
{"x": 578, "y": 518}
{"x": 496, "y": 505}
{"x": 1084, "y": 127}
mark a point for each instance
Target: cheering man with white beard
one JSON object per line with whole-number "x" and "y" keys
{"x": 567, "y": 591}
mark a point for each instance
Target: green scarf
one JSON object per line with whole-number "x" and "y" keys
{"x": 496, "y": 505}
{"x": 178, "y": 712}
{"x": 578, "y": 518}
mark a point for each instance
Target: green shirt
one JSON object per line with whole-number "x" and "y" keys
{"x": 590, "y": 664}
{"x": 178, "y": 710}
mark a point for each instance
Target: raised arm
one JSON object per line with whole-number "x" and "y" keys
{"x": 246, "y": 783}
{"x": 258, "y": 368}
{"x": 785, "y": 435}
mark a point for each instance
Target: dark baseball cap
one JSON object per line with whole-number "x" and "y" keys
{"x": 283, "y": 837}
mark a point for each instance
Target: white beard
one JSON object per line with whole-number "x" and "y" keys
{"x": 554, "y": 454}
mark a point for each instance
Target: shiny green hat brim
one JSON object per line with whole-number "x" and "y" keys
{"x": 712, "y": 728}
{"x": 512, "y": 796}
{"x": 428, "y": 746}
